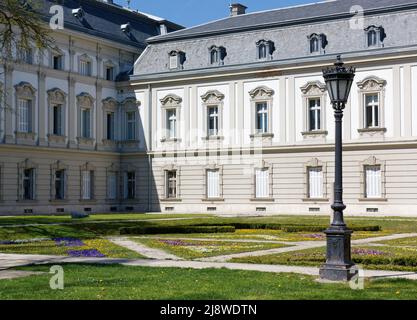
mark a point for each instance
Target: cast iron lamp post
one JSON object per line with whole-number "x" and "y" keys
{"x": 339, "y": 266}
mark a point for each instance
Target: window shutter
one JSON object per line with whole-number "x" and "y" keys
{"x": 373, "y": 182}
{"x": 213, "y": 184}
{"x": 126, "y": 185}
{"x": 86, "y": 185}
{"x": 111, "y": 186}
{"x": 316, "y": 183}
{"x": 262, "y": 183}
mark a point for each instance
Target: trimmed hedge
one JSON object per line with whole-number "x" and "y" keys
{"x": 295, "y": 228}
{"x": 177, "y": 229}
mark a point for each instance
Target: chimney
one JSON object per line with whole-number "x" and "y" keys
{"x": 236, "y": 9}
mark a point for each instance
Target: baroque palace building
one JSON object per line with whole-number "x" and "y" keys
{"x": 68, "y": 113}
{"x": 133, "y": 113}
{"x": 237, "y": 119}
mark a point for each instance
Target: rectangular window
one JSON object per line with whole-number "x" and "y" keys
{"x": 213, "y": 121}
{"x": 26, "y": 55}
{"x": 131, "y": 125}
{"x": 372, "y": 38}
{"x": 262, "y": 51}
{"x": 130, "y": 185}
{"x": 213, "y": 184}
{"x": 110, "y": 126}
{"x": 29, "y": 184}
{"x": 173, "y": 62}
{"x": 25, "y": 115}
{"x": 109, "y": 73}
{"x": 262, "y": 117}
{"x": 172, "y": 123}
{"x": 314, "y": 112}
{"x": 85, "y": 123}
{"x": 171, "y": 184}
{"x": 315, "y": 183}
{"x": 314, "y": 45}
{"x": 87, "y": 185}
{"x": 373, "y": 182}
{"x": 371, "y": 111}
{"x": 112, "y": 186}
{"x": 58, "y": 62}
{"x": 262, "y": 183}
{"x": 85, "y": 68}
{"x": 57, "y": 120}
{"x": 60, "y": 184}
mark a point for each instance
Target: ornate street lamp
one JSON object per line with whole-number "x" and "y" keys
{"x": 339, "y": 266}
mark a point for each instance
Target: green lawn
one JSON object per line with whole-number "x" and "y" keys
{"x": 369, "y": 257}
{"x": 191, "y": 249}
{"x": 119, "y": 282}
{"x": 107, "y": 248}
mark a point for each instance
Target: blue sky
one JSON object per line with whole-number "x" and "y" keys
{"x": 193, "y": 12}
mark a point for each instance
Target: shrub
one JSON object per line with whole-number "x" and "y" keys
{"x": 177, "y": 229}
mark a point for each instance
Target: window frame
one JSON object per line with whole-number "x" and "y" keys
{"x": 22, "y": 167}
{"x": 212, "y": 99}
{"x": 168, "y": 103}
{"x": 379, "y": 36}
{"x": 321, "y": 40}
{"x": 308, "y": 166}
{"x": 86, "y": 102}
{"x": 56, "y": 97}
{"x": 372, "y": 161}
{"x": 269, "y": 49}
{"x": 318, "y": 91}
{"x": 371, "y": 85}
{"x": 84, "y": 58}
{"x": 262, "y": 95}
{"x": 87, "y": 167}
{"x": 25, "y": 91}
{"x": 216, "y": 168}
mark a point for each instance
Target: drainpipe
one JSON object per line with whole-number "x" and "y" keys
{"x": 149, "y": 146}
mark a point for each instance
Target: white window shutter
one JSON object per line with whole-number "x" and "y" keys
{"x": 315, "y": 183}
{"x": 86, "y": 185}
{"x": 373, "y": 182}
{"x": 112, "y": 186}
{"x": 262, "y": 183}
{"x": 213, "y": 184}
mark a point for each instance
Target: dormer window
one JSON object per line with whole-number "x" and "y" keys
{"x": 176, "y": 59}
{"x": 78, "y": 13}
{"x": 374, "y": 36}
{"x": 125, "y": 27}
{"x": 265, "y": 49}
{"x": 318, "y": 43}
{"x": 217, "y": 55}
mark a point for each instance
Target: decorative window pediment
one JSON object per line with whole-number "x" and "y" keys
{"x": 87, "y": 167}
{"x": 85, "y": 100}
{"x": 372, "y": 83}
{"x": 109, "y": 103}
{"x": 59, "y": 165}
{"x": 130, "y": 103}
{"x": 57, "y": 96}
{"x": 314, "y": 88}
{"x": 28, "y": 164}
{"x": 171, "y": 101}
{"x": 212, "y": 96}
{"x": 261, "y": 92}
{"x": 25, "y": 90}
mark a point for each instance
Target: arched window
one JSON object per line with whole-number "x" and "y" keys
{"x": 317, "y": 42}
{"x": 372, "y": 40}
{"x": 314, "y": 45}
{"x": 214, "y": 56}
{"x": 262, "y": 51}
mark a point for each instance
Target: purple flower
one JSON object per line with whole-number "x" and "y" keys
{"x": 6, "y": 242}
{"x": 368, "y": 252}
{"x": 69, "y": 242}
{"x": 92, "y": 253}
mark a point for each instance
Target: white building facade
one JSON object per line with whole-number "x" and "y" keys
{"x": 237, "y": 119}
{"x": 68, "y": 113}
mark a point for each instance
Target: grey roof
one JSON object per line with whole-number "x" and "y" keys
{"x": 104, "y": 20}
{"x": 286, "y": 16}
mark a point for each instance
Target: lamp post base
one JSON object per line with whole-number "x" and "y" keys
{"x": 339, "y": 266}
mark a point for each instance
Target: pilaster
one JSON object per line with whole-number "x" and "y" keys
{"x": 42, "y": 109}
{"x": 8, "y": 114}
